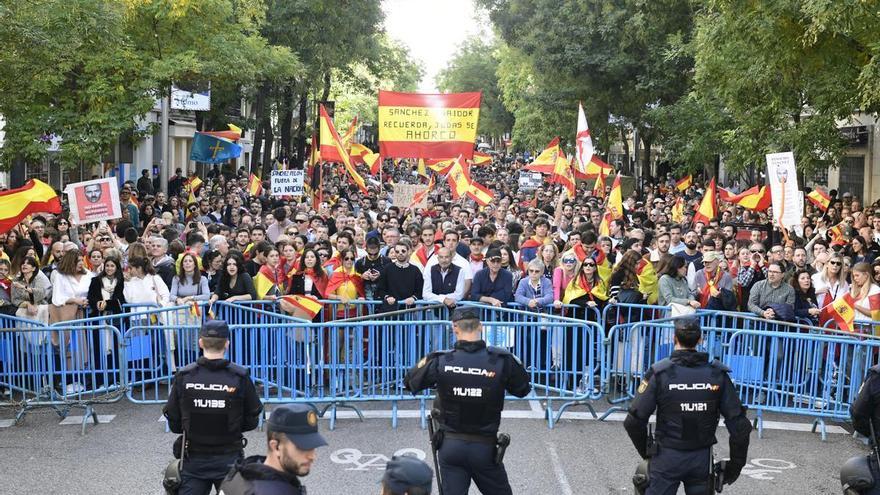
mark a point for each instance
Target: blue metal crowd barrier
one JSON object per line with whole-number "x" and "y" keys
{"x": 359, "y": 351}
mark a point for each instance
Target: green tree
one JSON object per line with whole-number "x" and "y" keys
{"x": 784, "y": 72}
{"x": 96, "y": 67}
{"x": 475, "y": 68}
{"x": 614, "y": 55}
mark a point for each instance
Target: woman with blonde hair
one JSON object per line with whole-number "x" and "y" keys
{"x": 830, "y": 282}
{"x": 862, "y": 290}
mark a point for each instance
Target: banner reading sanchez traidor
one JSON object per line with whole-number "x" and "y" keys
{"x": 413, "y": 125}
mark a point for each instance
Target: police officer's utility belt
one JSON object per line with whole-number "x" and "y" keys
{"x": 471, "y": 438}
{"x": 230, "y": 448}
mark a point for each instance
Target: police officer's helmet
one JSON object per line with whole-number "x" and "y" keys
{"x": 855, "y": 475}
{"x": 171, "y": 481}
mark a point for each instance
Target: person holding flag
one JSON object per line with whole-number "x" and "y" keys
{"x": 865, "y": 294}
{"x": 345, "y": 285}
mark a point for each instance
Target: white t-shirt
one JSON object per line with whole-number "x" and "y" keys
{"x": 874, "y": 290}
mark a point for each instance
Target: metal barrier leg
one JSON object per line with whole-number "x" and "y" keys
{"x": 821, "y": 423}
{"x": 589, "y": 405}
{"x": 88, "y": 412}
{"x": 758, "y": 424}
{"x": 423, "y": 420}
{"x": 611, "y": 410}
{"x": 333, "y": 406}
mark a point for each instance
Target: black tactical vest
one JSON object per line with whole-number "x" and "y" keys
{"x": 470, "y": 391}
{"x": 211, "y": 407}
{"x": 687, "y": 404}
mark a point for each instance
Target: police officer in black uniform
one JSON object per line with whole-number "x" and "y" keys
{"x": 688, "y": 393}
{"x": 292, "y": 439}
{"x": 212, "y": 403}
{"x": 861, "y": 474}
{"x": 471, "y": 381}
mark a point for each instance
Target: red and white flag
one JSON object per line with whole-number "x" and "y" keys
{"x": 583, "y": 141}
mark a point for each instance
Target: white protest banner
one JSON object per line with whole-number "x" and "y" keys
{"x": 784, "y": 191}
{"x": 529, "y": 181}
{"x": 403, "y": 195}
{"x": 287, "y": 182}
{"x": 93, "y": 200}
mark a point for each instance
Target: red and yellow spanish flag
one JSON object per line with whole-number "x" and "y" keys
{"x": 420, "y": 257}
{"x": 330, "y": 142}
{"x": 842, "y": 311}
{"x": 481, "y": 158}
{"x": 347, "y": 284}
{"x": 708, "y": 208}
{"x": 678, "y": 210}
{"x": 419, "y": 196}
{"x": 480, "y": 193}
{"x": 874, "y": 305}
{"x": 615, "y": 200}
{"x": 458, "y": 179}
{"x": 546, "y": 161}
{"x": 603, "y": 264}
{"x": 255, "y": 185}
{"x": 357, "y": 152}
{"x": 306, "y": 307}
{"x": 594, "y": 168}
{"x": 599, "y": 186}
{"x": 605, "y": 224}
{"x": 580, "y": 286}
{"x": 440, "y": 166}
{"x": 233, "y": 134}
{"x": 34, "y": 197}
{"x": 413, "y": 125}
{"x": 649, "y": 284}
{"x": 562, "y": 175}
{"x": 193, "y": 184}
{"x": 684, "y": 183}
{"x": 755, "y": 198}
{"x": 819, "y": 198}
{"x": 420, "y": 168}
{"x": 269, "y": 282}
{"x": 349, "y": 134}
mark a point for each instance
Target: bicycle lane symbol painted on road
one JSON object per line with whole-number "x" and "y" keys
{"x": 366, "y": 462}
{"x": 763, "y": 469}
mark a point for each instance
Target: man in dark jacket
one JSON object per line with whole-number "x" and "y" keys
{"x": 293, "y": 439}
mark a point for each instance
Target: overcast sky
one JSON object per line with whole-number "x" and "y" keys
{"x": 432, "y": 29}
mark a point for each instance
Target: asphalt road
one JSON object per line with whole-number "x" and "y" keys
{"x": 579, "y": 456}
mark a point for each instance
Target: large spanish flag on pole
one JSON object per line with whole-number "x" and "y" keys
{"x": 708, "y": 208}
{"x": 330, "y": 141}
{"x": 820, "y": 198}
{"x": 458, "y": 178}
{"x": 413, "y": 125}
{"x": 756, "y": 198}
{"x": 34, "y": 197}
{"x": 615, "y": 200}
{"x": 546, "y": 161}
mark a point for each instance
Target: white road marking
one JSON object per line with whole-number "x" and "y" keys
{"x": 557, "y": 469}
{"x": 77, "y": 420}
{"x": 575, "y": 415}
{"x": 6, "y": 423}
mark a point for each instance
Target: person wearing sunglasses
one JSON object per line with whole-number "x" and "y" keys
{"x": 830, "y": 282}
{"x": 345, "y": 285}
{"x": 400, "y": 281}
{"x": 492, "y": 285}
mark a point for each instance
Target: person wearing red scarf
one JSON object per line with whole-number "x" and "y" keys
{"x": 711, "y": 280}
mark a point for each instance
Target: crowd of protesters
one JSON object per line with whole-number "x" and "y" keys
{"x": 534, "y": 248}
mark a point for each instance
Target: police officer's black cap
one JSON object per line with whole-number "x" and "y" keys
{"x": 215, "y": 328}
{"x": 465, "y": 314}
{"x": 299, "y": 423}
{"x": 404, "y": 472}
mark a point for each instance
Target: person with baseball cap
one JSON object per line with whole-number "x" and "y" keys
{"x": 212, "y": 403}
{"x": 292, "y": 439}
{"x": 406, "y": 475}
